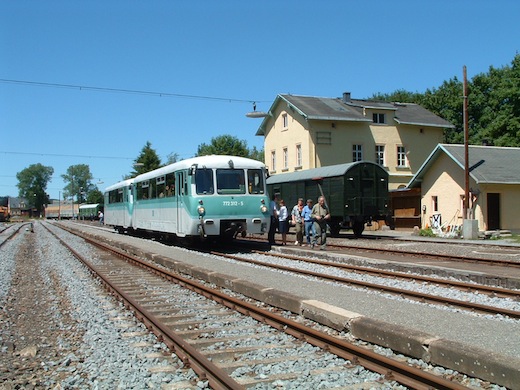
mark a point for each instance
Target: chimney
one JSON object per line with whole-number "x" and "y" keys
{"x": 346, "y": 97}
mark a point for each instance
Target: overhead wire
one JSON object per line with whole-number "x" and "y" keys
{"x": 125, "y": 90}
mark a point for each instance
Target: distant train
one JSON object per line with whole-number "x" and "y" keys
{"x": 198, "y": 198}
{"x": 4, "y": 209}
{"x": 356, "y": 193}
{"x": 90, "y": 211}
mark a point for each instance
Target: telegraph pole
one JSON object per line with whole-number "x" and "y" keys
{"x": 466, "y": 147}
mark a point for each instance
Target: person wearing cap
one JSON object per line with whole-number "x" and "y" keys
{"x": 320, "y": 215}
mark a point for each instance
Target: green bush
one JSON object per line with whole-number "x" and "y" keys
{"x": 428, "y": 232}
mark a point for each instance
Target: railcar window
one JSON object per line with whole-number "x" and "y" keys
{"x": 231, "y": 181}
{"x": 142, "y": 190}
{"x": 204, "y": 181}
{"x": 160, "y": 186}
{"x": 255, "y": 181}
{"x": 170, "y": 184}
{"x": 153, "y": 189}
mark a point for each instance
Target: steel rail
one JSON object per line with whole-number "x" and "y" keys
{"x": 13, "y": 233}
{"x": 440, "y": 256}
{"x": 373, "y": 271}
{"x": 394, "y": 290}
{"x": 217, "y": 378}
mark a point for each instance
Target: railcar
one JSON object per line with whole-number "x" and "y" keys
{"x": 90, "y": 211}
{"x": 198, "y": 198}
{"x": 356, "y": 193}
{"x": 119, "y": 205}
{"x": 61, "y": 210}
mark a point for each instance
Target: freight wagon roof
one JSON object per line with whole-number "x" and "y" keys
{"x": 322, "y": 172}
{"x": 88, "y": 206}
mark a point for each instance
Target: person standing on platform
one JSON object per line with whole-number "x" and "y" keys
{"x": 307, "y": 221}
{"x": 273, "y": 210}
{"x": 320, "y": 215}
{"x": 283, "y": 223}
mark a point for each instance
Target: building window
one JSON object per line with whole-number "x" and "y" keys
{"x": 273, "y": 161}
{"x": 324, "y": 138}
{"x": 285, "y": 121}
{"x": 435, "y": 204}
{"x": 380, "y": 155}
{"x": 378, "y": 118}
{"x": 285, "y": 159}
{"x": 298, "y": 155}
{"x": 357, "y": 153}
{"x": 401, "y": 157}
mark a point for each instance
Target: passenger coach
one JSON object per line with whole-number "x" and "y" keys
{"x": 201, "y": 197}
{"x": 356, "y": 193}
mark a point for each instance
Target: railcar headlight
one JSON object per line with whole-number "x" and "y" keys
{"x": 201, "y": 208}
{"x": 263, "y": 208}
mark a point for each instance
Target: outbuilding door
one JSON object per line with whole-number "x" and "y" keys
{"x": 493, "y": 211}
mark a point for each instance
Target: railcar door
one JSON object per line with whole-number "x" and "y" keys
{"x": 182, "y": 186}
{"x": 129, "y": 202}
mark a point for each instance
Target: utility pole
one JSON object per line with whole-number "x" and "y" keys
{"x": 469, "y": 225}
{"x": 466, "y": 210}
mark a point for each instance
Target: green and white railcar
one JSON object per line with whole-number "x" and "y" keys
{"x": 202, "y": 197}
{"x": 119, "y": 205}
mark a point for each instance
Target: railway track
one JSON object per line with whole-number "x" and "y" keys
{"x": 11, "y": 230}
{"x": 214, "y": 337}
{"x": 494, "y": 291}
{"x": 385, "y": 247}
{"x": 408, "y": 293}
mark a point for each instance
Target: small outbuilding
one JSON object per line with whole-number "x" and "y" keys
{"x": 494, "y": 180}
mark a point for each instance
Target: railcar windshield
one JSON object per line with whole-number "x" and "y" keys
{"x": 231, "y": 181}
{"x": 255, "y": 180}
{"x": 204, "y": 181}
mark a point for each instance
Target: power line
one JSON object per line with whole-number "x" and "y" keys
{"x": 129, "y": 91}
{"x": 68, "y": 155}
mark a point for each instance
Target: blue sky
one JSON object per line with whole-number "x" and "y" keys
{"x": 211, "y": 59}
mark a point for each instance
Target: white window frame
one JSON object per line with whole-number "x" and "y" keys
{"x": 273, "y": 160}
{"x": 357, "y": 152}
{"x": 298, "y": 155}
{"x": 285, "y": 155}
{"x": 402, "y": 159}
{"x": 285, "y": 121}
{"x": 380, "y": 155}
{"x": 379, "y": 118}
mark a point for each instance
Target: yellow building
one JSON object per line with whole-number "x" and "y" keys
{"x": 305, "y": 132}
{"x": 494, "y": 181}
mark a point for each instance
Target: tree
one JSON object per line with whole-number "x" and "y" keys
{"x": 79, "y": 182}
{"x": 147, "y": 161}
{"x": 256, "y": 154}
{"x": 230, "y": 146}
{"x": 32, "y": 184}
{"x": 493, "y": 106}
{"x": 95, "y": 196}
{"x": 172, "y": 158}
